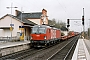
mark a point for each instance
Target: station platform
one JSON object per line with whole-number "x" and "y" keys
{"x": 82, "y": 50}
{"x": 11, "y": 47}
{"x": 11, "y": 44}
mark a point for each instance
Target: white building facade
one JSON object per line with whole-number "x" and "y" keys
{"x": 16, "y": 32}
{"x": 26, "y": 22}
{"x": 5, "y": 26}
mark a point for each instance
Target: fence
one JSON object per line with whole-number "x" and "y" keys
{"x": 8, "y": 39}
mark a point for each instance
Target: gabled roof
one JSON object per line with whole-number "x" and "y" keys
{"x": 36, "y": 15}
{"x": 23, "y": 20}
{"x": 25, "y": 16}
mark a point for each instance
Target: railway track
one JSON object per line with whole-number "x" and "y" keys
{"x": 64, "y": 52}
{"x": 21, "y": 54}
{"x": 47, "y": 53}
{"x": 14, "y": 55}
{"x": 35, "y": 54}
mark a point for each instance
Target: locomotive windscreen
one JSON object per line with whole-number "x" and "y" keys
{"x": 38, "y": 30}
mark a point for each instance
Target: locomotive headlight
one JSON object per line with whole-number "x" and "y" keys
{"x": 44, "y": 37}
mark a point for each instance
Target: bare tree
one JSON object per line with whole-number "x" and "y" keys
{"x": 58, "y": 24}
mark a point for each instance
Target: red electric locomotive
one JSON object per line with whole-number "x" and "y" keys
{"x": 43, "y": 35}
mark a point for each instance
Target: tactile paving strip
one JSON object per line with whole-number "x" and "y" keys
{"x": 81, "y": 52}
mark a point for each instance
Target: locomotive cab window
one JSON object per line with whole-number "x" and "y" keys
{"x": 38, "y": 30}
{"x": 41, "y": 30}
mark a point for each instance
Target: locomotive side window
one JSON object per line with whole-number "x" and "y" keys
{"x": 49, "y": 30}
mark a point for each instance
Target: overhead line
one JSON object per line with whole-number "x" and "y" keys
{"x": 63, "y": 8}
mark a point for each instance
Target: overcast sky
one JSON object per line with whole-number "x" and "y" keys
{"x": 59, "y": 9}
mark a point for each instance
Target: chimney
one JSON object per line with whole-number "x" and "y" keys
{"x": 44, "y": 17}
{"x": 44, "y": 12}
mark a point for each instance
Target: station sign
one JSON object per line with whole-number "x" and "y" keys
{"x": 21, "y": 26}
{"x": 11, "y": 24}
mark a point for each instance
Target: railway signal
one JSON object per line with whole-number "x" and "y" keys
{"x": 68, "y": 23}
{"x": 82, "y": 20}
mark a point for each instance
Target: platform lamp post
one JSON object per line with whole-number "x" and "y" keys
{"x": 11, "y": 18}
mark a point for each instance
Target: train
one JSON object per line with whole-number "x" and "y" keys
{"x": 44, "y": 35}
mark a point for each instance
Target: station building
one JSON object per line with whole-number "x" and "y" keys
{"x": 21, "y": 24}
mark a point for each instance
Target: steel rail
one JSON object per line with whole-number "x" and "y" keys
{"x": 21, "y": 57}
{"x": 70, "y": 50}
{"x": 12, "y": 56}
{"x": 16, "y": 53}
{"x": 59, "y": 50}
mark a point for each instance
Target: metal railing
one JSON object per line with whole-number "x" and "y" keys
{"x": 8, "y": 39}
